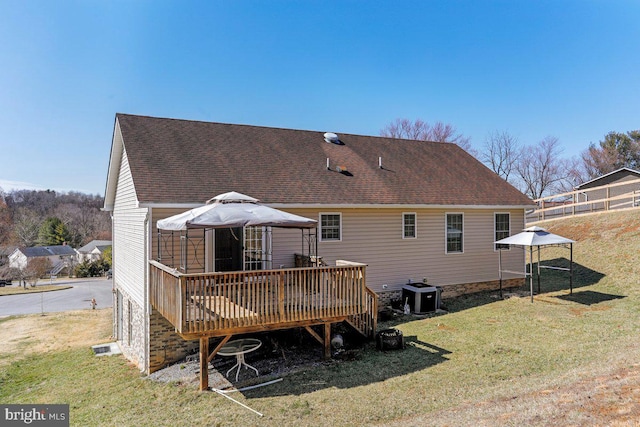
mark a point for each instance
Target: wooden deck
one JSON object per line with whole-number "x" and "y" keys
{"x": 207, "y": 305}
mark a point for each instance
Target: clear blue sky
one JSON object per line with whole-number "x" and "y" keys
{"x": 570, "y": 69}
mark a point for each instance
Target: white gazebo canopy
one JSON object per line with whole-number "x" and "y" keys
{"x": 536, "y": 237}
{"x": 231, "y": 210}
{"x": 228, "y": 211}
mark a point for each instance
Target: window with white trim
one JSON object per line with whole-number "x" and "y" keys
{"x": 454, "y": 232}
{"x": 330, "y": 227}
{"x": 502, "y": 229}
{"x": 409, "y": 225}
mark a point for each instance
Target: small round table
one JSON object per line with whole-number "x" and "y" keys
{"x": 239, "y": 348}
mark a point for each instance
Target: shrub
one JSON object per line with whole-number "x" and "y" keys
{"x": 92, "y": 269}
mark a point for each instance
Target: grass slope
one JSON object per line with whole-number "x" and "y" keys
{"x": 563, "y": 360}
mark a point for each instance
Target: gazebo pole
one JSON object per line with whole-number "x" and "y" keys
{"x": 538, "y": 269}
{"x": 500, "y": 270}
{"x": 571, "y": 268}
{"x": 531, "y": 271}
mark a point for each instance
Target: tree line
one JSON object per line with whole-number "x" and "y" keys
{"x": 536, "y": 169}
{"x": 46, "y": 217}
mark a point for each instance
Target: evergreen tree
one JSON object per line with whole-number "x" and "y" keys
{"x": 53, "y": 232}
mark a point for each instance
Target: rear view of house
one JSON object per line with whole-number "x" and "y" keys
{"x": 397, "y": 210}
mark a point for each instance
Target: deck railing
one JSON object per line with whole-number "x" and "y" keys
{"x": 220, "y": 303}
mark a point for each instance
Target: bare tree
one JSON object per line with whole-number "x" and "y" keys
{"x": 36, "y": 268}
{"x": 574, "y": 174}
{"x": 6, "y": 223}
{"x": 501, "y": 152}
{"x": 79, "y": 221}
{"x": 7, "y": 272}
{"x": 406, "y": 129}
{"x": 615, "y": 151}
{"x": 422, "y": 131}
{"x": 26, "y": 225}
{"x": 540, "y": 168}
{"x": 599, "y": 161}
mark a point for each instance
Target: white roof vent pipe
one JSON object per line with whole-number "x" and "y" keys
{"x": 332, "y": 138}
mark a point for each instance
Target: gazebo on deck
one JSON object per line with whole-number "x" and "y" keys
{"x": 242, "y": 237}
{"x": 233, "y": 289}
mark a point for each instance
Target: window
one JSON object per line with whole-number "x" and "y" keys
{"x": 330, "y": 227}
{"x": 502, "y": 229}
{"x": 409, "y": 225}
{"x": 454, "y": 232}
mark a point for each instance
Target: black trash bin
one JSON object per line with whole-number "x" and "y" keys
{"x": 390, "y": 339}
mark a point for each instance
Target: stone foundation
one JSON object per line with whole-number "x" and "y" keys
{"x": 385, "y": 298}
{"x": 132, "y": 339}
{"x": 450, "y": 291}
{"x": 165, "y": 345}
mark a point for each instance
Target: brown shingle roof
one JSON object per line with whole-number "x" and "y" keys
{"x": 182, "y": 161}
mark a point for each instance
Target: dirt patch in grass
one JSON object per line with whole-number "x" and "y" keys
{"x": 22, "y": 336}
{"x": 579, "y": 311}
{"x": 611, "y": 399}
{"x": 443, "y": 327}
{"x": 577, "y": 232}
{"x": 595, "y": 227}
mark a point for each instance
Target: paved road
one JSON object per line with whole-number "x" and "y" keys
{"x": 76, "y": 298}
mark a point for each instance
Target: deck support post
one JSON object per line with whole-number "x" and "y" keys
{"x": 204, "y": 363}
{"x": 327, "y": 340}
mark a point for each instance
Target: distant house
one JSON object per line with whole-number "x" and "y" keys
{"x": 622, "y": 185}
{"x": 404, "y": 210}
{"x": 60, "y": 256}
{"x": 93, "y": 250}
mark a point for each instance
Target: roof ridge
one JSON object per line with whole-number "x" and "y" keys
{"x": 282, "y": 128}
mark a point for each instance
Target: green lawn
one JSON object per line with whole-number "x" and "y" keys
{"x": 484, "y": 350}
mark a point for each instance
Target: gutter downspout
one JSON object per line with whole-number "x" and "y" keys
{"x": 147, "y": 305}
{"x": 114, "y": 296}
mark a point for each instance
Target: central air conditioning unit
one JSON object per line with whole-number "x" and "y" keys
{"x": 421, "y": 298}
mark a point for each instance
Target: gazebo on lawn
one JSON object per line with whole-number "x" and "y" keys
{"x": 536, "y": 237}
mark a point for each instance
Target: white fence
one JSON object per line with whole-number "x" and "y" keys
{"x": 620, "y": 195}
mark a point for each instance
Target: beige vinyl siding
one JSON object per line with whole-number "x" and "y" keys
{"x": 129, "y": 237}
{"x": 156, "y": 215}
{"x": 374, "y": 237}
{"x": 172, "y": 243}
